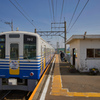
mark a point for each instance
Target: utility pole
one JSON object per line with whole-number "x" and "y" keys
{"x": 11, "y": 24}
{"x": 56, "y": 33}
{"x": 65, "y": 35}
{"x": 35, "y": 30}
{"x": 57, "y": 47}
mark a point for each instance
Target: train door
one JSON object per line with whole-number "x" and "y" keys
{"x": 41, "y": 58}
{"x": 14, "y": 59}
{"x": 44, "y": 56}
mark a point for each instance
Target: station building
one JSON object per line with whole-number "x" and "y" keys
{"x": 85, "y": 52}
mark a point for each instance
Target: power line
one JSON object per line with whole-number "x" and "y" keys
{"x": 26, "y": 13}
{"x": 1, "y": 21}
{"x": 50, "y": 9}
{"x": 56, "y": 7}
{"x": 21, "y": 12}
{"x": 62, "y": 10}
{"x": 73, "y": 13}
{"x": 53, "y": 10}
{"x": 79, "y": 15}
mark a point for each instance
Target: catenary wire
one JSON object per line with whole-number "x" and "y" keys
{"x": 21, "y": 12}
{"x": 79, "y": 15}
{"x": 50, "y": 9}
{"x": 53, "y": 10}
{"x": 56, "y": 7}
{"x": 26, "y": 13}
{"x": 62, "y": 10}
{"x": 73, "y": 14}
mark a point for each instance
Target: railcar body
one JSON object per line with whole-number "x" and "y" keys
{"x": 23, "y": 58}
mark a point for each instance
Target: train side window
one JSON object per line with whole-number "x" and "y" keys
{"x": 2, "y": 47}
{"x": 29, "y": 47}
{"x": 2, "y": 50}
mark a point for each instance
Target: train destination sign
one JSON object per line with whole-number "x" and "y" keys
{"x": 29, "y": 39}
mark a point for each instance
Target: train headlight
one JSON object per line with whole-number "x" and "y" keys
{"x": 31, "y": 74}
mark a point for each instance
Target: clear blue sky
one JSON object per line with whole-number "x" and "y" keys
{"x": 39, "y": 12}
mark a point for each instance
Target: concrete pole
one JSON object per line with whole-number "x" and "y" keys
{"x": 12, "y": 25}
{"x": 35, "y": 30}
{"x": 65, "y": 35}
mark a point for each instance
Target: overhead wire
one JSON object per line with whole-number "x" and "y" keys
{"x": 21, "y": 13}
{"x": 79, "y": 15}
{"x": 53, "y": 10}
{"x": 56, "y": 8}
{"x": 50, "y": 9}
{"x": 26, "y": 12}
{"x": 1, "y": 21}
{"x": 23, "y": 10}
{"x": 73, "y": 13}
{"x": 62, "y": 10}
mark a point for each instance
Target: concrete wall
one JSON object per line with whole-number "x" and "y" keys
{"x": 75, "y": 44}
{"x": 87, "y": 63}
{"x": 82, "y": 63}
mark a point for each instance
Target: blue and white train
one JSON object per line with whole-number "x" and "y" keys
{"x": 23, "y": 58}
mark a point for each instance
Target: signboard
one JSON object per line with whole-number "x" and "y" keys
{"x": 14, "y": 65}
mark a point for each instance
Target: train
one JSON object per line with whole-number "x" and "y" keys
{"x": 24, "y": 56}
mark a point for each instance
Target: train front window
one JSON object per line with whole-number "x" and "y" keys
{"x": 2, "y": 47}
{"x": 29, "y": 47}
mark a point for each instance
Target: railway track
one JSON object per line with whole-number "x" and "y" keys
{"x": 14, "y": 95}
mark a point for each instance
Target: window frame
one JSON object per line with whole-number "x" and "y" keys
{"x": 94, "y": 53}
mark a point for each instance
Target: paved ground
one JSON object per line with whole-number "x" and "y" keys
{"x": 73, "y": 83}
{"x": 69, "y": 86}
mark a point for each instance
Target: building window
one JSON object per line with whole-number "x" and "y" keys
{"x": 93, "y": 53}
{"x": 97, "y": 53}
{"x": 29, "y": 47}
{"x": 90, "y": 53}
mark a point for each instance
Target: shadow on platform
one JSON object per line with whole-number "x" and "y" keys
{"x": 65, "y": 70}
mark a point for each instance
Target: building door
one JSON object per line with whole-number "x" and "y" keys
{"x": 74, "y": 56}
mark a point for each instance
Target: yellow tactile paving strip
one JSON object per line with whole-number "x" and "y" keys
{"x": 57, "y": 86}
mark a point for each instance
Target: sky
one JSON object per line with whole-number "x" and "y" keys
{"x": 40, "y": 14}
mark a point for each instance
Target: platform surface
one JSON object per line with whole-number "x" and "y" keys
{"x": 65, "y": 85}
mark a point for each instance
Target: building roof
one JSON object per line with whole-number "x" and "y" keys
{"x": 81, "y": 37}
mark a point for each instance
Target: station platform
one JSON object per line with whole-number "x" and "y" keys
{"x": 58, "y": 83}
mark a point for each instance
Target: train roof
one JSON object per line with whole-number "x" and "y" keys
{"x": 21, "y": 32}
{"x": 24, "y": 32}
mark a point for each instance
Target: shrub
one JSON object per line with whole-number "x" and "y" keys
{"x": 94, "y": 71}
